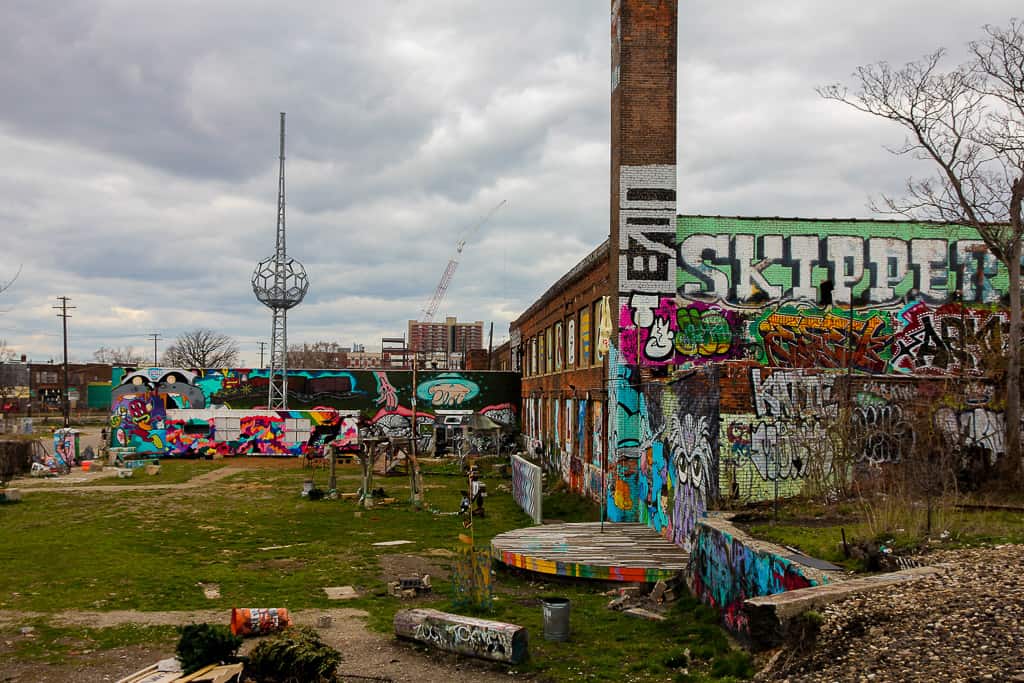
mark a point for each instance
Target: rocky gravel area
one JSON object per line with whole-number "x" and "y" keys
{"x": 966, "y": 624}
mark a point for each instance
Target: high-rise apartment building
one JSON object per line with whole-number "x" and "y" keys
{"x": 449, "y": 336}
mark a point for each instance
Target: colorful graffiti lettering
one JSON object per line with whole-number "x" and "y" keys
{"x": 662, "y": 331}
{"x": 794, "y": 337}
{"x": 948, "y": 339}
{"x": 447, "y": 391}
{"x": 646, "y": 250}
{"x": 746, "y": 267}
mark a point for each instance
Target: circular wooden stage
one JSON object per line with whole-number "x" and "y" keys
{"x": 623, "y": 552}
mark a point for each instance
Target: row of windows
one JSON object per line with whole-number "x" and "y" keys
{"x": 576, "y": 426}
{"x": 567, "y": 345}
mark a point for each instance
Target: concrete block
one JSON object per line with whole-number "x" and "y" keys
{"x": 769, "y": 616}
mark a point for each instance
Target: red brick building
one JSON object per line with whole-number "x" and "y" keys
{"x": 554, "y": 343}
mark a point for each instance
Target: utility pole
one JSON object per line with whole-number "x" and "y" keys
{"x": 490, "y": 345}
{"x": 63, "y": 307}
{"x": 263, "y": 345}
{"x": 154, "y": 336}
{"x": 415, "y": 482}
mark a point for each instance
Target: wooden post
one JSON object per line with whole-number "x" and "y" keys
{"x": 332, "y": 482}
{"x": 367, "y": 456}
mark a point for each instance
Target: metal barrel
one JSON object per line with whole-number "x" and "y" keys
{"x": 556, "y": 618}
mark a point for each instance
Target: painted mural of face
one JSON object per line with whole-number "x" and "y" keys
{"x": 691, "y": 451}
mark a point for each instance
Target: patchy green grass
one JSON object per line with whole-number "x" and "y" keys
{"x": 55, "y": 645}
{"x": 172, "y": 471}
{"x": 255, "y": 536}
{"x": 567, "y": 507}
{"x": 817, "y": 530}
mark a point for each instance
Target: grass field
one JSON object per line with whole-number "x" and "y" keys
{"x": 264, "y": 545}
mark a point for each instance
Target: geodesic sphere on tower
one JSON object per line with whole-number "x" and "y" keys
{"x": 293, "y": 282}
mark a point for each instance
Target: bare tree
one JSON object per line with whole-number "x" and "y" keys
{"x": 119, "y": 356}
{"x": 201, "y": 348}
{"x": 969, "y": 122}
{"x": 321, "y": 354}
{"x": 4, "y": 286}
{"x": 6, "y": 352}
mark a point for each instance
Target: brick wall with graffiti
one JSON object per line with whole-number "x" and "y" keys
{"x": 927, "y": 298}
{"x": 175, "y": 411}
{"x": 805, "y": 389}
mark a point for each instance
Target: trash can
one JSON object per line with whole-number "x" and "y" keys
{"x": 556, "y": 618}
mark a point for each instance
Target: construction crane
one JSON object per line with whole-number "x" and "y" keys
{"x": 453, "y": 263}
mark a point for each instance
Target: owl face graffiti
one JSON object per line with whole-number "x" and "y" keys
{"x": 691, "y": 451}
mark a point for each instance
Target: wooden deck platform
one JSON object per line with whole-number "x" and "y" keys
{"x": 624, "y": 552}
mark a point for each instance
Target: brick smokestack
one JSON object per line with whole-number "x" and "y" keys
{"x": 643, "y": 156}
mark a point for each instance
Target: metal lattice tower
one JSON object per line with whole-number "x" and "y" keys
{"x": 280, "y": 283}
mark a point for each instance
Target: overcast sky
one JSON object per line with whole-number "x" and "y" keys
{"x": 140, "y": 144}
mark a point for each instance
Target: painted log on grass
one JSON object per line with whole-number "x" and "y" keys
{"x": 494, "y": 640}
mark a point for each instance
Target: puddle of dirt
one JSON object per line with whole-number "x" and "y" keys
{"x": 396, "y": 566}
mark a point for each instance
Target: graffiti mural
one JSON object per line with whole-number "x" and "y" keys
{"x": 678, "y": 461}
{"x": 947, "y": 339}
{"x": 663, "y": 331}
{"x": 559, "y": 348}
{"x": 807, "y": 337}
{"x": 527, "y": 481}
{"x": 447, "y": 390}
{"x": 626, "y": 409}
{"x": 647, "y": 240}
{"x": 585, "y": 341}
{"x": 751, "y": 261}
{"x": 769, "y": 274}
{"x": 174, "y": 411}
{"x": 570, "y": 342}
{"x": 725, "y": 572}
{"x": 768, "y": 453}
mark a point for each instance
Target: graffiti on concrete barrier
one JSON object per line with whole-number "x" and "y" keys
{"x": 527, "y": 481}
{"x": 725, "y": 572}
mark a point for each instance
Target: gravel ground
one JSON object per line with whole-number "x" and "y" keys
{"x": 365, "y": 653}
{"x": 964, "y": 625}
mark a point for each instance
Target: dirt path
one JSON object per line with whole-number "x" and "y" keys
{"x": 64, "y": 485}
{"x": 364, "y": 653}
